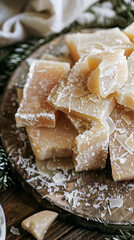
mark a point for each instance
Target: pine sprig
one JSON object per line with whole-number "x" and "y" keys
{"x": 11, "y": 57}
{"x": 122, "y": 236}
{"x": 5, "y": 179}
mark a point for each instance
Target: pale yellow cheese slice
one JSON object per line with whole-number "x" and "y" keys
{"x": 129, "y": 31}
{"x": 121, "y": 144}
{"x": 110, "y": 74}
{"x": 125, "y": 95}
{"x": 71, "y": 94}
{"x": 101, "y": 40}
{"x": 34, "y": 111}
{"x": 91, "y": 150}
{"x": 53, "y": 142}
{"x": 47, "y": 167}
{"x": 39, "y": 223}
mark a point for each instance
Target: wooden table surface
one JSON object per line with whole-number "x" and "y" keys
{"x": 18, "y": 205}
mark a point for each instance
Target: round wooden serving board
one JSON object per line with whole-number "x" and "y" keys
{"x": 82, "y": 197}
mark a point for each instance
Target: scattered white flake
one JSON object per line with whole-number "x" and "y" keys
{"x": 15, "y": 231}
{"x": 74, "y": 197}
{"x": 130, "y": 209}
{"x": 102, "y": 187}
{"x": 68, "y": 196}
{"x": 115, "y": 202}
{"x": 130, "y": 142}
{"x": 121, "y": 139}
{"x": 108, "y": 208}
{"x": 97, "y": 205}
{"x": 112, "y": 126}
{"x": 87, "y": 204}
{"x": 102, "y": 215}
{"x": 122, "y": 160}
{"x": 58, "y": 177}
{"x": 131, "y": 186}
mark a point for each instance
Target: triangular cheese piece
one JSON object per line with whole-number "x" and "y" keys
{"x": 110, "y": 74}
{"x": 39, "y": 223}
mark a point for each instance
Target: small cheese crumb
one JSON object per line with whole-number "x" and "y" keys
{"x": 115, "y": 202}
{"x": 58, "y": 177}
{"x": 103, "y": 187}
{"x": 15, "y": 231}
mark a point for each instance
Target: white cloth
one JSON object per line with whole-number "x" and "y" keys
{"x": 20, "y": 19}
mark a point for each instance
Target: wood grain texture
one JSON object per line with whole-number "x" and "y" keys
{"x": 96, "y": 188}
{"x": 15, "y": 199}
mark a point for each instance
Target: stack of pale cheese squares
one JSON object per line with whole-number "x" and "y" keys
{"x": 79, "y": 112}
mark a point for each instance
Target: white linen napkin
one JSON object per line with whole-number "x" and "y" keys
{"x": 20, "y": 19}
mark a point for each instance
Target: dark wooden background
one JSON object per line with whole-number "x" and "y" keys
{"x": 18, "y": 205}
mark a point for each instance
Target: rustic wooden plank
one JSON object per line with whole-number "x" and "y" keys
{"x": 79, "y": 234}
{"x": 6, "y": 195}
{"x": 18, "y": 205}
{"x": 83, "y": 233}
{"x": 57, "y": 230}
{"x": 11, "y": 236}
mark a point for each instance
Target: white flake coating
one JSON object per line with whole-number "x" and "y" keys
{"x": 71, "y": 95}
{"x": 121, "y": 144}
{"x": 34, "y": 111}
{"x": 91, "y": 148}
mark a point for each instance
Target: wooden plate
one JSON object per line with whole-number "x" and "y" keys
{"x": 83, "y": 197}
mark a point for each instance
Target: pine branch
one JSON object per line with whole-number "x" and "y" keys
{"x": 122, "y": 236}
{"x": 5, "y": 179}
